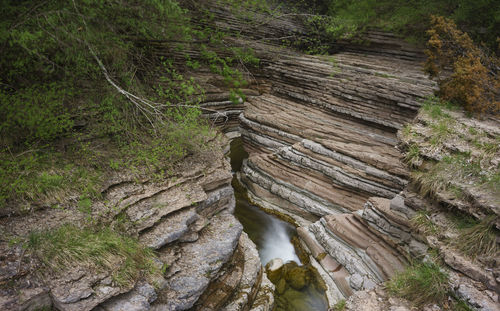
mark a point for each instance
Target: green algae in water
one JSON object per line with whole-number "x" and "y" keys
{"x": 299, "y": 288}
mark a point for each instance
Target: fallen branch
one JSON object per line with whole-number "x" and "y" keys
{"x": 150, "y": 110}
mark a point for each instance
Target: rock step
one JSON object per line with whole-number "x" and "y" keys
{"x": 199, "y": 263}
{"x": 170, "y": 229}
{"x": 367, "y": 259}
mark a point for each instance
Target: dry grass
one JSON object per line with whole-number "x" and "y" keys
{"x": 479, "y": 239}
{"x": 429, "y": 183}
{"x": 98, "y": 249}
{"x": 422, "y": 223}
{"x": 421, "y": 284}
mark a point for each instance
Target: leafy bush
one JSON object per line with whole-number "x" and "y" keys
{"x": 46, "y": 176}
{"x": 474, "y": 82}
{"x": 62, "y": 124}
{"x": 34, "y": 113}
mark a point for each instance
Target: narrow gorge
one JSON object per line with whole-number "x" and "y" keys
{"x": 312, "y": 151}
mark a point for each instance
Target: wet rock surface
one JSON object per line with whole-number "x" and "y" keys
{"x": 297, "y": 287}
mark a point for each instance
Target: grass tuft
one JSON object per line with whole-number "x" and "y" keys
{"x": 102, "y": 249}
{"x": 412, "y": 157}
{"x": 478, "y": 239}
{"x": 431, "y": 182}
{"x": 421, "y": 284}
{"x": 422, "y": 222}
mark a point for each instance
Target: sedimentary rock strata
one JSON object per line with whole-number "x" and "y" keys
{"x": 322, "y": 137}
{"x": 188, "y": 220}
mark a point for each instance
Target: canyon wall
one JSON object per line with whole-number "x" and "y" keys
{"x": 320, "y": 131}
{"x": 323, "y": 152}
{"x": 208, "y": 264}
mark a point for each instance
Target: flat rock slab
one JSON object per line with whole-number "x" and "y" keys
{"x": 200, "y": 263}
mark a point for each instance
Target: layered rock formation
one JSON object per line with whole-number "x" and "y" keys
{"x": 187, "y": 219}
{"x": 322, "y": 143}
{"x": 325, "y": 134}
{"x": 393, "y": 221}
{"x": 321, "y": 134}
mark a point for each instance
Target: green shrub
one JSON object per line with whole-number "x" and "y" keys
{"x": 37, "y": 112}
{"x": 413, "y": 18}
{"x": 86, "y": 122}
{"x": 43, "y": 175}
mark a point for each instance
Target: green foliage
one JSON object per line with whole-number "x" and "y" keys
{"x": 246, "y": 56}
{"x": 421, "y": 283}
{"x": 91, "y": 128}
{"x": 43, "y": 175}
{"x": 222, "y": 66}
{"x": 63, "y": 247}
{"x": 346, "y": 18}
{"x": 169, "y": 144}
{"x": 225, "y": 66}
{"x": 340, "y": 305}
{"x": 35, "y": 113}
{"x": 433, "y": 106}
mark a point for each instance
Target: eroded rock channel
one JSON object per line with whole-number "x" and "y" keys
{"x": 298, "y": 285}
{"x": 314, "y": 142}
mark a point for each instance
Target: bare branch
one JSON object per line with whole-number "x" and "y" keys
{"x": 148, "y": 108}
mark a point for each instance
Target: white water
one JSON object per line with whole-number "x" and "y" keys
{"x": 271, "y": 235}
{"x": 277, "y": 243}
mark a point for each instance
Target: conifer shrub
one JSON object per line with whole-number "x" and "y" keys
{"x": 467, "y": 74}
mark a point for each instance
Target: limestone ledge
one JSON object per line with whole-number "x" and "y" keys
{"x": 187, "y": 219}
{"x": 358, "y": 251}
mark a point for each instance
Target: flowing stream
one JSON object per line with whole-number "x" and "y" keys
{"x": 273, "y": 236}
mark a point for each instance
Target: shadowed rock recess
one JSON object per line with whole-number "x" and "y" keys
{"x": 321, "y": 136}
